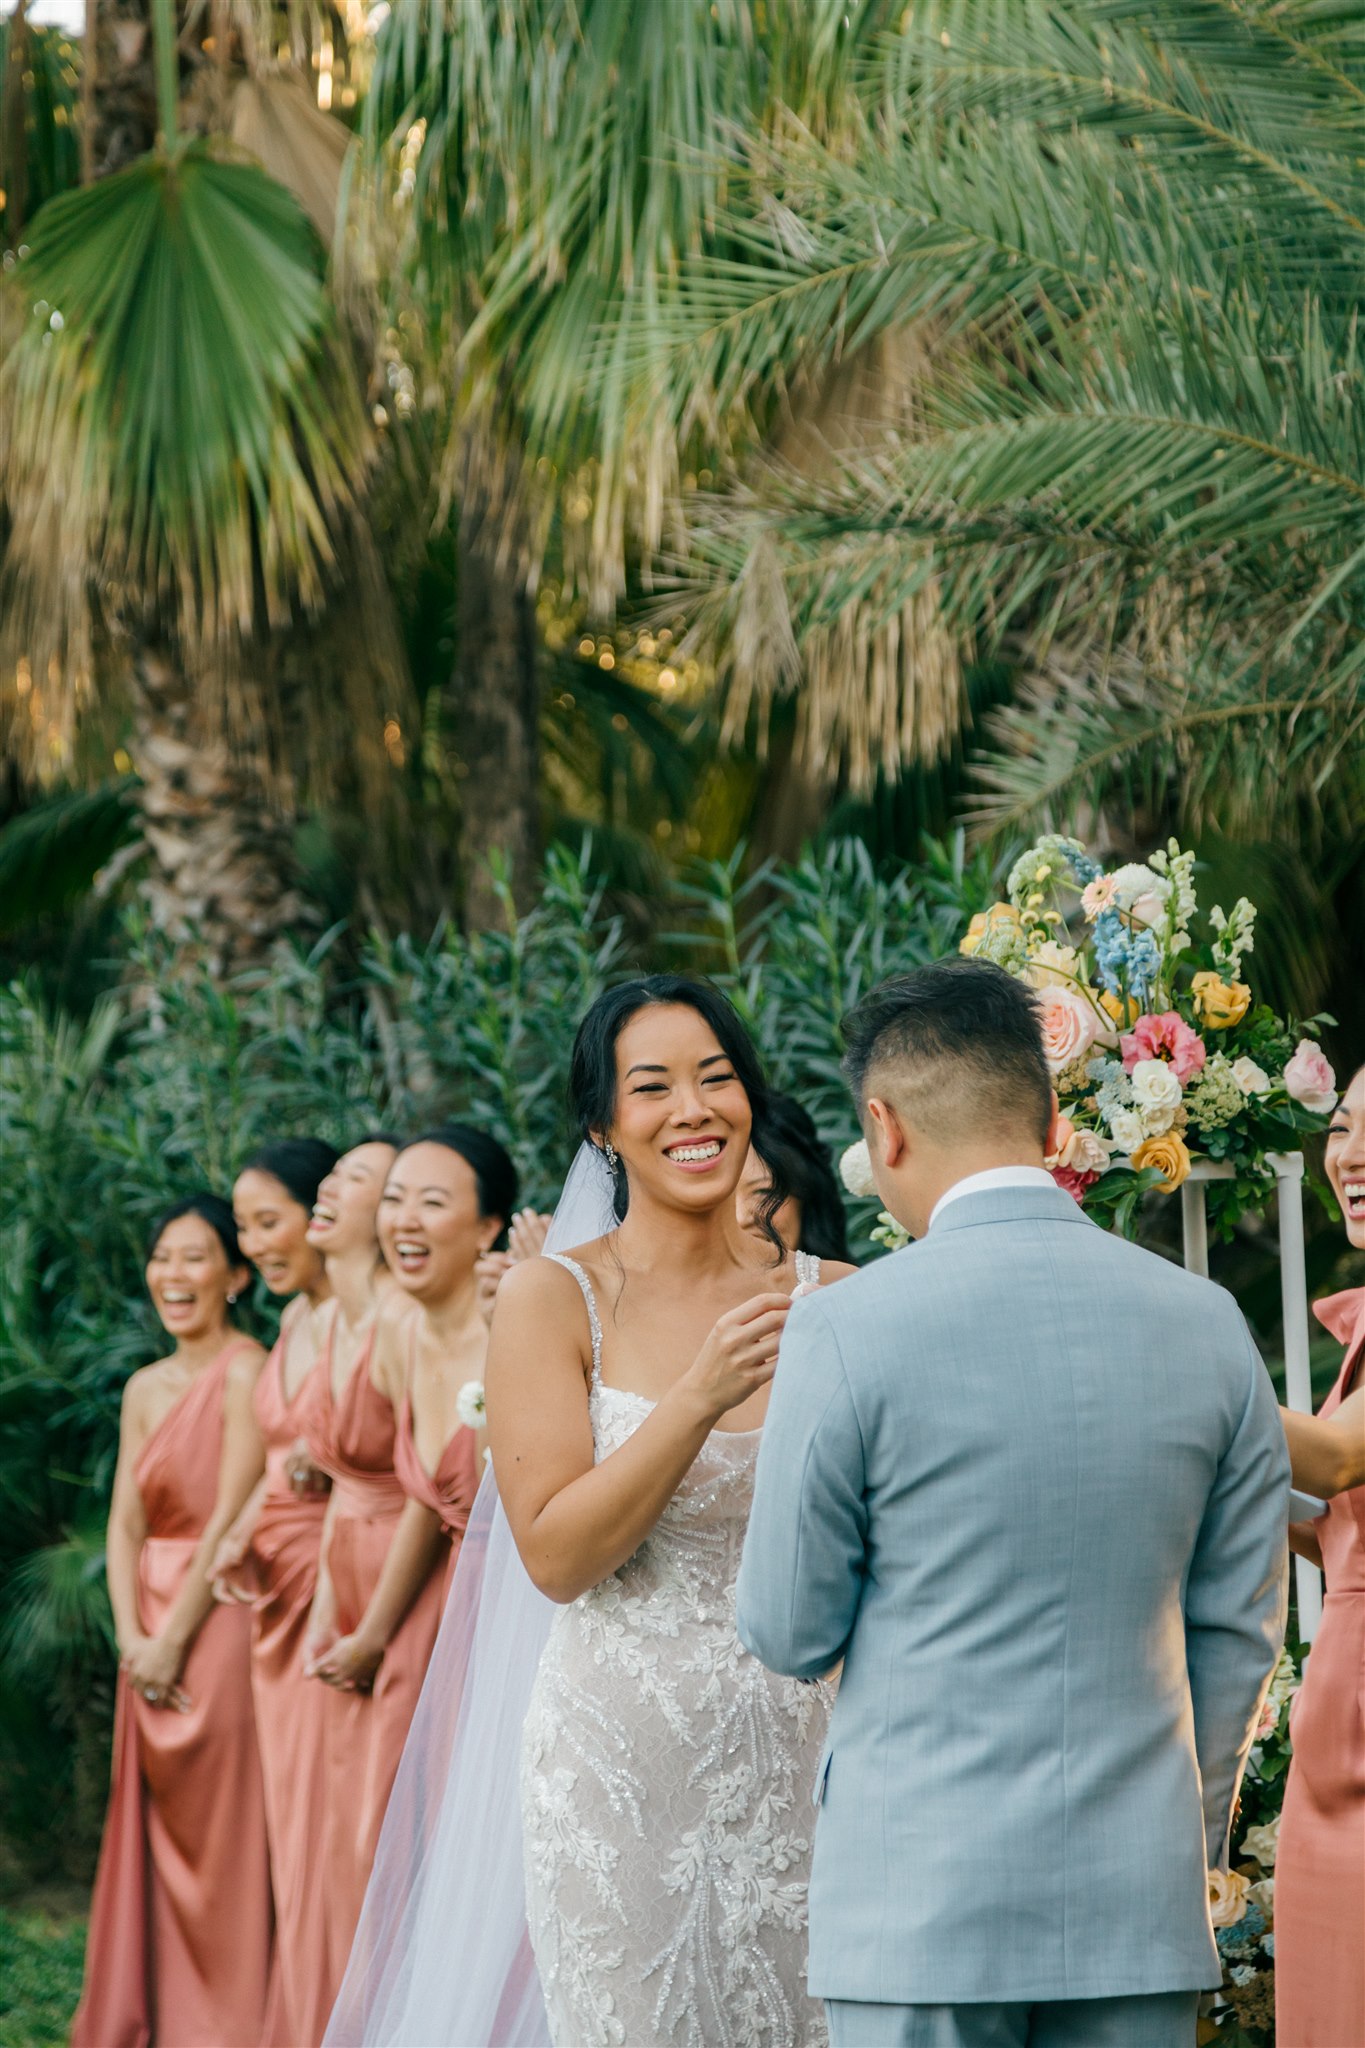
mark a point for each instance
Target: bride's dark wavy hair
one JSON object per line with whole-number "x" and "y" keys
{"x": 592, "y": 1075}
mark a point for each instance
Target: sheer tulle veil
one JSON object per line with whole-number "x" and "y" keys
{"x": 442, "y": 1953}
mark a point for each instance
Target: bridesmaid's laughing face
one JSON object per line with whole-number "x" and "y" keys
{"x": 189, "y": 1279}
{"x": 682, "y": 1117}
{"x": 272, "y": 1227}
{"x": 348, "y": 1200}
{"x": 430, "y": 1230}
{"x": 1346, "y": 1158}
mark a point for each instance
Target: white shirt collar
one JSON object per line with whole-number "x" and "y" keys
{"x": 994, "y": 1177}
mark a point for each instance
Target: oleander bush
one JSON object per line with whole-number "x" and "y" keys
{"x": 167, "y": 1087}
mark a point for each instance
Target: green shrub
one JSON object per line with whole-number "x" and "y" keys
{"x": 102, "y": 1124}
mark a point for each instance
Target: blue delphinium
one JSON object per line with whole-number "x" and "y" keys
{"x": 1237, "y": 1944}
{"x": 1126, "y": 955}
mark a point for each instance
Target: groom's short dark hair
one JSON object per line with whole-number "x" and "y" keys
{"x": 957, "y": 1047}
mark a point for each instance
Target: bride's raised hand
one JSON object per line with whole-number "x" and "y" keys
{"x": 740, "y": 1354}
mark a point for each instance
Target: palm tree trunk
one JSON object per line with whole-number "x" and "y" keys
{"x": 222, "y": 872}
{"x": 497, "y": 714}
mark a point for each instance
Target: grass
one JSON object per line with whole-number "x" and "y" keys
{"x": 40, "y": 1977}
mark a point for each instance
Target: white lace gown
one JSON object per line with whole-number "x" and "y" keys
{"x": 666, "y": 1783}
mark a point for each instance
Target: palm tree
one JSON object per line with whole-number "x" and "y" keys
{"x": 1132, "y": 236}
{"x": 537, "y": 177}
{"x": 182, "y": 455}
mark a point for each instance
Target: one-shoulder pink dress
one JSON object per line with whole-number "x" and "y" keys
{"x": 179, "y": 1950}
{"x": 448, "y": 1491}
{"x": 353, "y": 1439}
{"x": 1320, "y": 1866}
{"x": 291, "y": 1718}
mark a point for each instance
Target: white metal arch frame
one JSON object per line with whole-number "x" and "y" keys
{"x": 1288, "y": 1170}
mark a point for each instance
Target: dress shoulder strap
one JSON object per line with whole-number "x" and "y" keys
{"x": 807, "y": 1269}
{"x": 594, "y": 1320}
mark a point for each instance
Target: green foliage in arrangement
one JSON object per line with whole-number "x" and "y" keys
{"x": 103, "y": 1123}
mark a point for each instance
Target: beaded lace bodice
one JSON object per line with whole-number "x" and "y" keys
{"x": 666, "y": 1782}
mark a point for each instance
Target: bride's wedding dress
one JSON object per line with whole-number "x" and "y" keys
{"x": 666, "y": 1782}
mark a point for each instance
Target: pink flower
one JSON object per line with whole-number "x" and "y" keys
{"x": 1309, "y": 1078}
{"x": 1070, "y": 1026}
{"x": 1073, "y": 1182}
{"x": 1164, "y": 1037}
{"x": 1097, "y": 896}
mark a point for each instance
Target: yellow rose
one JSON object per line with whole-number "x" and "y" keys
{"x": 1169, "y": 1155}
{"x": 1220, "y": 1003}
{"x": 1227, "y": 1897}
{"x": 999, "y": 913}
{"x": 1114, "y": 1006}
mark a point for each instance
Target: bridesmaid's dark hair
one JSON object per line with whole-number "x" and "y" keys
{"x": 495, "y": 1176}
{"x": 592, "y": 1074}
{"x": 211, "y": 1209}
{"x": 794, "y": 1146}
{"x": 300, "y": 1165}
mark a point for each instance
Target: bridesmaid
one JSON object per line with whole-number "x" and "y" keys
{"x": 179, "y": 1951}
{"x": 270, "y": 1558}
{"x": 437, "y": 1454}
{"x": 1320, "y": 1868}
{"x": 381, "y": 1592}
{"x": 812, "y": 1219}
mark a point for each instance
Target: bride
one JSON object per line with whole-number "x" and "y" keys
{"x": 666, "y": 1775}
{"x": 665, "y": 1778}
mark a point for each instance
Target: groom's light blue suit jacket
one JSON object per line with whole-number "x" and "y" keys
{"x": 1030, "y": 1483}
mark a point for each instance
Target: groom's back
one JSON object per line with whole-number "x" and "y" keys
{"x": 1043, "y": 1411}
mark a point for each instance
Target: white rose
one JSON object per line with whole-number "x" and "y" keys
{"x": 855, "y": 1169}
{"x": 1263, "y": 1843}
{"x": 1140, "y": 892}
{"x": 1155, "y": 1086}
{"x": 1052, "y": 965}
{"x": 1263, "y": 1895}
{"x": 1086, "y": 1152}
{"x": 1251, "y": 1079}
{"x": 1126, "y": 1126}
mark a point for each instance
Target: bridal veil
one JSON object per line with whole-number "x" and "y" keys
{"x": 442, "y": 1952}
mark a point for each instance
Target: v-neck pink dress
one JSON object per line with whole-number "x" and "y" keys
{"x": 291, "y": 1716}
{"x": 448, "y": 1491}
{"x": 352, "y": 1437}
{"x": 1320, "y": 1865}
{"x": 179, "y": 1949}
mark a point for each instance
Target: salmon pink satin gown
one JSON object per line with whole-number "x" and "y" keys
{"x": 353, "y": 1439}
{"x": 448, "y": 1491}
{"x": 179, "y": 1950}
{"x": 1320, "y": 1867}
{"x": 291, "y": 1717}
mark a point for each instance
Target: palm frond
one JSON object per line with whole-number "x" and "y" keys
{"x": 179, "y": 413}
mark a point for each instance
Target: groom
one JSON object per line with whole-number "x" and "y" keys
{"x": 1030, "y": 1484}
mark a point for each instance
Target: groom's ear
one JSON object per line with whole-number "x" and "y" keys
{"x": 892, "y": 1131}
{"x": 1052, "y": 1146}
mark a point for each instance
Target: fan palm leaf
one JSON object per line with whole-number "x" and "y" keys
{"x": 179, "y": 412}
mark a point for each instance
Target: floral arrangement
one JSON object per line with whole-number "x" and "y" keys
{"x": 1242, "y": 1898}
{"x": 1157, "y": 1048}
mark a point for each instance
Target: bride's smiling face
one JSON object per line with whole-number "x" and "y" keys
{"x": 682, "y": 1117}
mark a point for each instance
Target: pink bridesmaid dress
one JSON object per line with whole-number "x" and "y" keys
{"x": 353, "y": 1439}
{"x": 448, "y": 1491}
{"x": 1320, "y": 1866}
{"x": 291, "y": 1717}
{"x": 179, "y": 1950}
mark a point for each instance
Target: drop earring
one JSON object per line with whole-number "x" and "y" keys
{"x": 613, "y": 1160}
